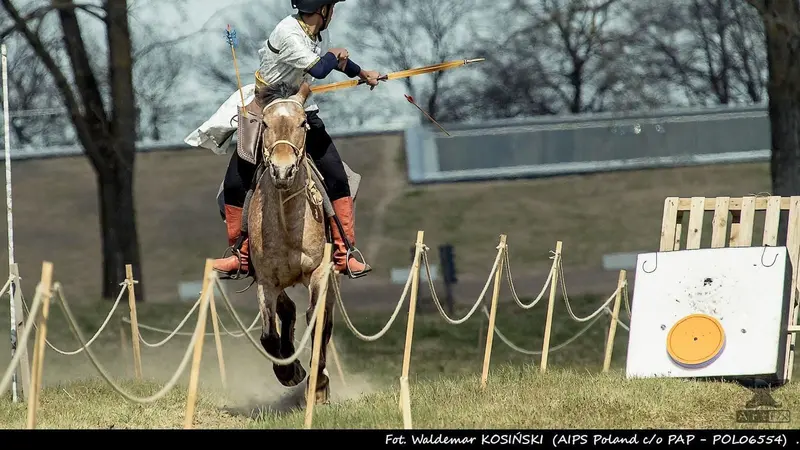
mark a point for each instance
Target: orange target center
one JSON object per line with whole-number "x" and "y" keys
{"x": 695, "y": 339}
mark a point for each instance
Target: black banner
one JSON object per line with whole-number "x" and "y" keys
{"x": 461, "y": 439}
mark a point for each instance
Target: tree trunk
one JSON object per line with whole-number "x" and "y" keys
{"x": 783, "y": 55}
{"x": 117, "y": 191}
{"x": 120, "y": 242}
{"x": 108, "y": 139}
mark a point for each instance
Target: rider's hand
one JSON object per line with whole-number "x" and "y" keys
{"x": 340, "y": 53}
{"x": 370, "y": 77}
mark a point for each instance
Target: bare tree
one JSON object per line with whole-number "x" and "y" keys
{"x": 713, "y": 51}
{"x": 781, "y": 21}
{"x": 157, "y": 74}
{"x": 106, "y": 130}
{"x": 413, "y": 33}
{"x": 35, "y": 115}
{"x": 557, "y": 56}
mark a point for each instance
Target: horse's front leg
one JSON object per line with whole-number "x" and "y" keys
{"x": 267, "y": 298}
{"x": 323, "y": 388}
{"x": 293, "y": 373}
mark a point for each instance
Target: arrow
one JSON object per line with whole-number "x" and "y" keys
{"x": 411, "y": 100}
{"x": 233, "y": 42}
{"x": 396, "y": 75}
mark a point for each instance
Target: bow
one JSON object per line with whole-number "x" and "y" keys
{"x": 395, "y": 75}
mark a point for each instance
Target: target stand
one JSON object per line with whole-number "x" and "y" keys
{"x": 724, "y": 312}
{"x": 710, "y": 313}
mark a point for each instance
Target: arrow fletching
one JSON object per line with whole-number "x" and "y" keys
{"x": 231, "y": 38}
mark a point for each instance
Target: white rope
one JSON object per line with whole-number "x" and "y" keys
{"x": 539, "y": 352}
{"x": 624, "y": 327}
{"x": 303, "y": 341}
{"x": 480, "y": 297}
{"x": 627, "y": 301}
{"x": 142, "y": 400}
{"x": 22, "y": 341}
{"x": 619, "y": 322}
{"x": 5, "y": 286}
{"x": 594, "y": 314}
{"x": 175, "y": 331}
{"x": 627, "y": 306}
{"x": 544, "y": 288}
{"x": 235, "y": 334}
{"x": 396, "y": 312}
{"x": 124, "y": 285}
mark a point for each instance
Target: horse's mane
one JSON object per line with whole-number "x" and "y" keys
{"x": 272, "y": 92}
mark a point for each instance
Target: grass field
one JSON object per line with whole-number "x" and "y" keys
{"x": 445, "y": 370}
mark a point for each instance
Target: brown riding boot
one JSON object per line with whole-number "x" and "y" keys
{"x": 230, "y": 266}
{"x": 343, "y": 208}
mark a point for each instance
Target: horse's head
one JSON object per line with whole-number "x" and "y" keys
{"x": 284, "y": 135}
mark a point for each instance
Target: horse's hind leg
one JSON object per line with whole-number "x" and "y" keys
{"x": 323, "y": 388}
{"x": 293, "y": 373}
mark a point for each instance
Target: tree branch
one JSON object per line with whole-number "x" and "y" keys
{"x": 759, "y": 5}
{"x": 155, "y": 45}
{"x": 88, "y": 87}
{"x": 68, "y": 96}
{"x": 37, "y": 13}
{"x": 42, "y": 11}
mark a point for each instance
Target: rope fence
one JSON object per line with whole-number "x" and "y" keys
{"x": 48, "y": 291}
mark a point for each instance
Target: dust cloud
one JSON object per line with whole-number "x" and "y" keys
{"x": 252, "y": 389}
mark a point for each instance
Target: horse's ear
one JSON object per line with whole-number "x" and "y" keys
{"x": 303, "y": 93}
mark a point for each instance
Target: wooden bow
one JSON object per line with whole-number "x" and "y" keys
{"x": 395, "y": 75}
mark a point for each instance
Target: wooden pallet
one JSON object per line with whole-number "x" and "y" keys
{"x": 739, "y": 213}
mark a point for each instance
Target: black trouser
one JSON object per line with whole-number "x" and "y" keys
{"x": 320, "y": 148}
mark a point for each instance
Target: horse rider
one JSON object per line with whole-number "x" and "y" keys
{"x": 295, "y": 51}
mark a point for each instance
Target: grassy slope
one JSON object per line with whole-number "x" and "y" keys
{"x": 445, "y": 368}
{"x": 55, "y": 218}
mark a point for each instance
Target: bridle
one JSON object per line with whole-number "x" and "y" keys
{"x": 299, "y": 152}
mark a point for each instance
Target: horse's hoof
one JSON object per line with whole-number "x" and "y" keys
{"x": 323, "y": 391}
{"x": 290, "y": 375}
{"x": 322, "y": 396}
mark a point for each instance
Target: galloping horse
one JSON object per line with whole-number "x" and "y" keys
{"x": 287, "y": 230}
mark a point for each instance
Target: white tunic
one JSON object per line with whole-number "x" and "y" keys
{"x": 296, "y": 52}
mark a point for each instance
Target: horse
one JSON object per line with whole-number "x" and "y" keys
{"x": 287, "y": 231}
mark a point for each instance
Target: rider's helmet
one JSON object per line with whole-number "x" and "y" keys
{"x": 312, "y": 6}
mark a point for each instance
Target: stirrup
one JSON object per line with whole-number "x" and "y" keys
{"x": 351, "y": 251}
{"x": 238, "y": 274}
